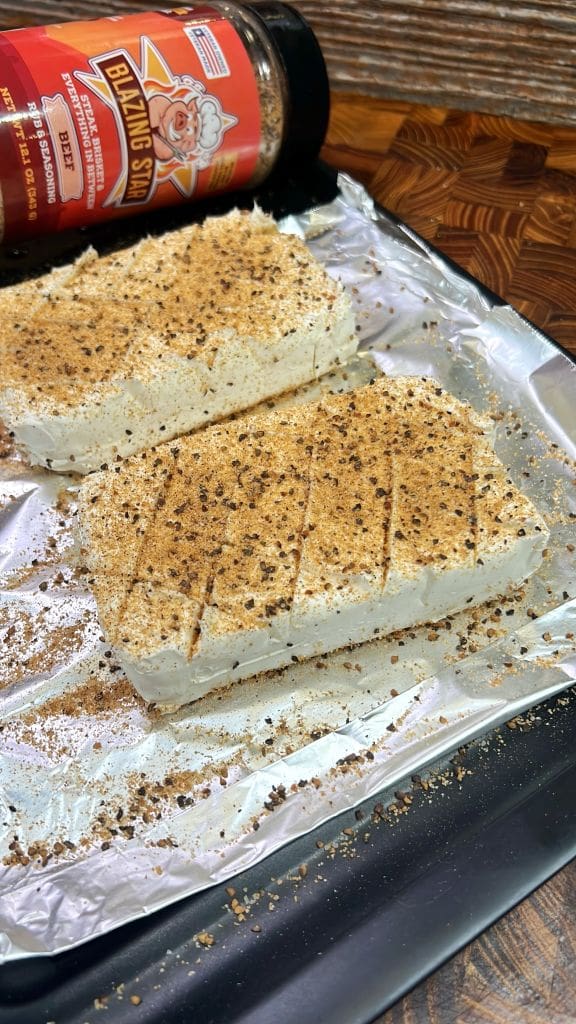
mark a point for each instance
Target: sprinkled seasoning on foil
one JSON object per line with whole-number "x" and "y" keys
{"x": 88, "y": 772}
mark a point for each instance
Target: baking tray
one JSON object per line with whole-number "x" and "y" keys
{"x": 349, "y": 920}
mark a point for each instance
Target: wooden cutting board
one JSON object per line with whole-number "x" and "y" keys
{"x": 496, "y": 195}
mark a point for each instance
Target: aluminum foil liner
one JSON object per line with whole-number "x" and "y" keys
{"x": 108, "y": 811}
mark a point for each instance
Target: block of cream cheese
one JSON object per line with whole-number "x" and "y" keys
{"x": 282, "y": 536}
{"x": 114, "y": 354}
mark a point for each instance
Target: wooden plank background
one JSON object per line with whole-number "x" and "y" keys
{"x": 516, "y": 58}
{"x": 511, "y": 58}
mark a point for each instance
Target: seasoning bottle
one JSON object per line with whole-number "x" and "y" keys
{"x": 110, "y": 117}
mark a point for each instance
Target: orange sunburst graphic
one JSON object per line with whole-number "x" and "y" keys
{"x": 179, "y": 155}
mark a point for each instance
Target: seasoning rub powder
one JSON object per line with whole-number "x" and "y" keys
{"x": 116, "y": 353}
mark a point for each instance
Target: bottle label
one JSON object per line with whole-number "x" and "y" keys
{"x": 103, "y": 118}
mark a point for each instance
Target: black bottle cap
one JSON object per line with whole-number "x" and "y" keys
{"x": 307, "y": 78}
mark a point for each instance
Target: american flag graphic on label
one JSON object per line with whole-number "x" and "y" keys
{"x": 209, "y": 52}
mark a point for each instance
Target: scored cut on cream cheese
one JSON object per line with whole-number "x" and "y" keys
{"x": 112, "y": 354}
{"x": 283, "y": 536}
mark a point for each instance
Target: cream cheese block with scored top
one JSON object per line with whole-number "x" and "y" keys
{"x": 284, "y": 536}
{"x": 113, "y": 354}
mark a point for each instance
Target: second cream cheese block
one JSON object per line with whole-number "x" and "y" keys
{"x": 283, "y": 536}
{"x": 113, "y": 354}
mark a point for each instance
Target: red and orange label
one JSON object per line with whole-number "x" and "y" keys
{"x": 103, "y": 118}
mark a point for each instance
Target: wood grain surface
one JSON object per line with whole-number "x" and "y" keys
{"x": 521, "y": 971}
{"x": 498, "y": 196}
{"x": 512, "y": 58}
